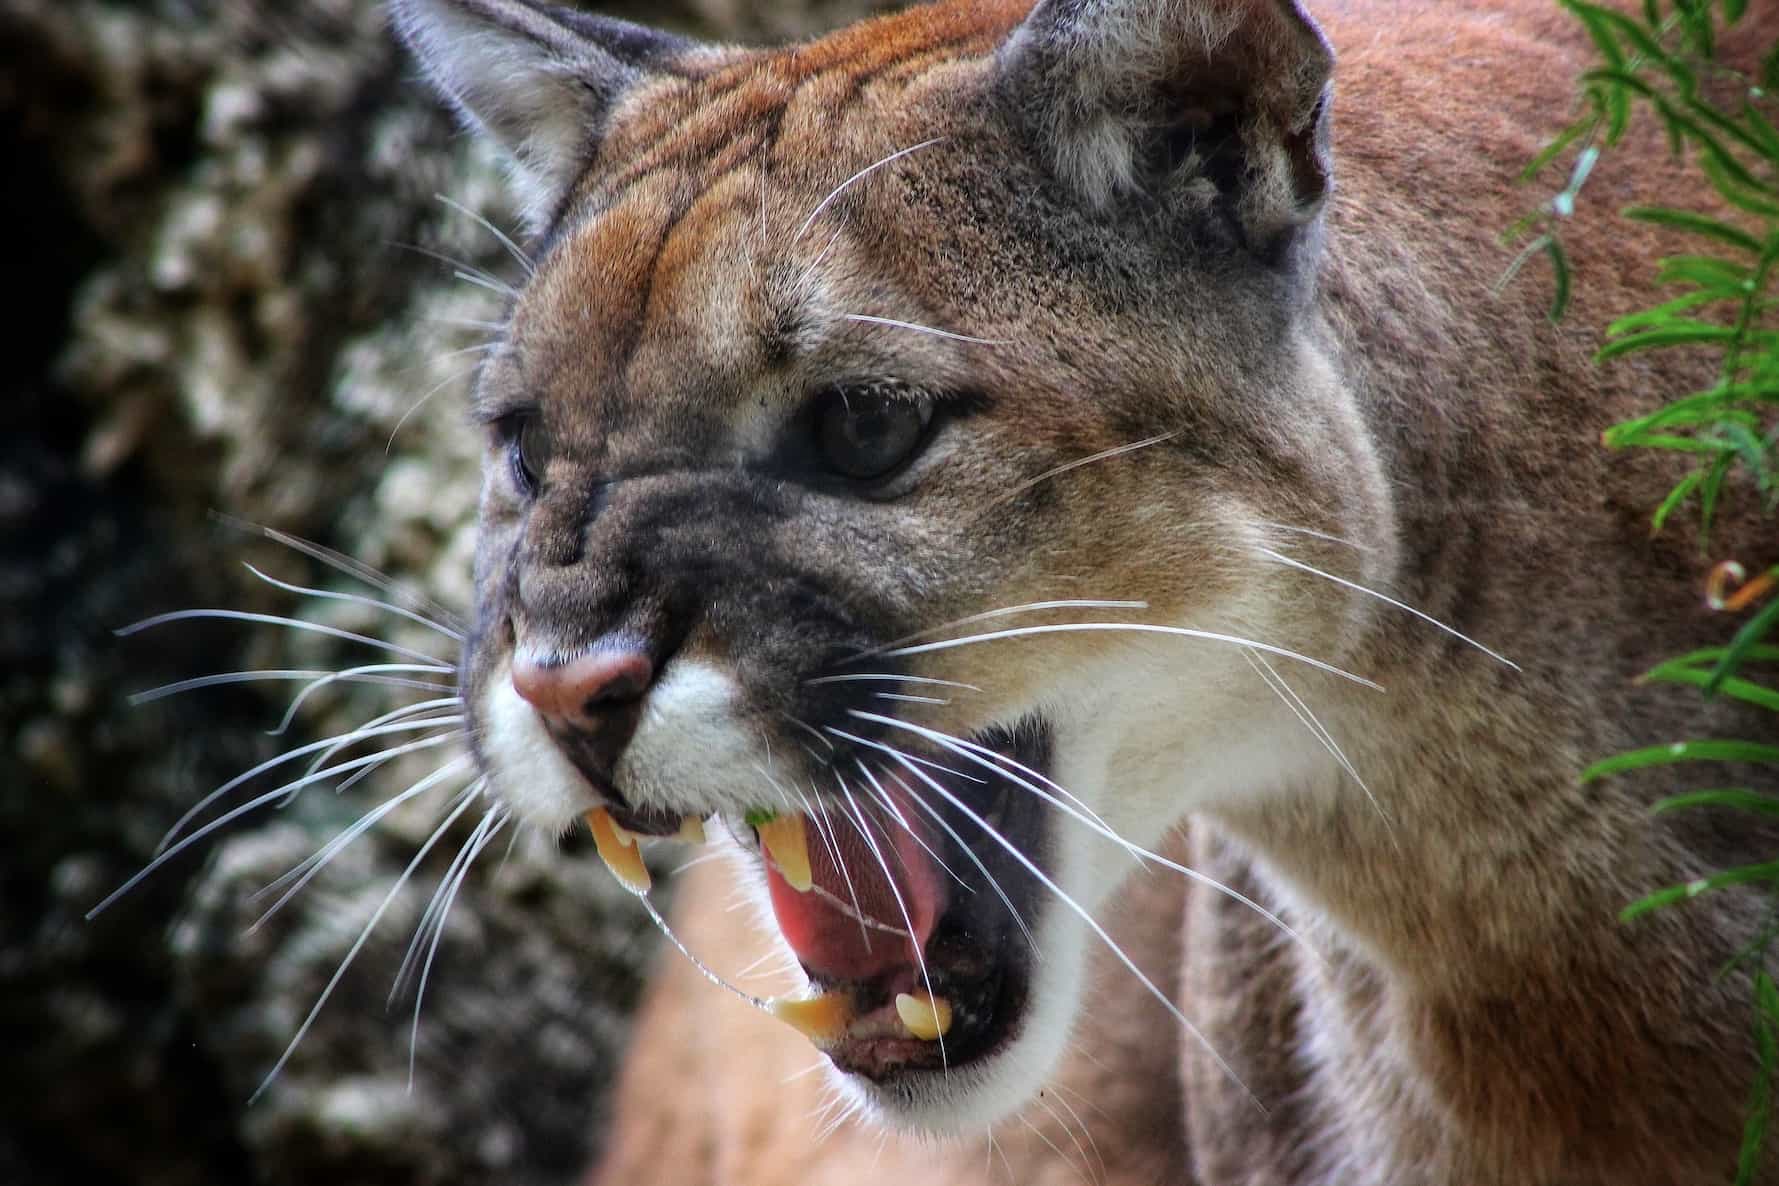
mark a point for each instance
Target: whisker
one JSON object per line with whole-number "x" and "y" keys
{"x": 993, "y": 884}
{"x": 1313, "y": 533}
{"x": 1094, "y": 823}
{"x": 1086, "y": 916}
{"x": 315, "y": 862}
{"x": 1401, "y": 605}
{"x": 362, "y": 733}
{"x": 236, "y": 615}
{"x": 1079, "y": 1124}
{"x": 858, "y": 911}
{"x": 859, "y": 176}
{"x": 422, "y": 928}
{"x": 896, "y": 892}
{"x": 357, "y": 569}
{"x": 232, "y": 815}
{"x": 438, "y": 931}
{"x": 904, "y": 699}
{"x": 883, "y": 799}
{"x": 989, "y": 615}
{"x": 340, "y": 972}
{"x": 371, "y": 674}
{"x": 1135, "y": 628}
{"x": 1057, "y": 1149}
{"x": 820, "y": 256}
{"x": 951, "y": 741}
{"x": 462, "y": 270}
{"x": 1317, "y": 729}
{"x": 918, "y": 328}
{"x": 513, "y": 249}
{"x": 905, "y": 679}
{"x": 1102, "y": 455}
{"x": 449, "y": 380}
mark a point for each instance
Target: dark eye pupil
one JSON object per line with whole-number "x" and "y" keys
{"x": 530, "y": 452}
{"x": 866, "y": 436}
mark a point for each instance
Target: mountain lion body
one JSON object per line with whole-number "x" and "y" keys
{"x": 995, "y": 439}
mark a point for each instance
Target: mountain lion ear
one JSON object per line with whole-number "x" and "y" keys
{"x": 1196, "y": 101}
{"x": 538, "y": 79}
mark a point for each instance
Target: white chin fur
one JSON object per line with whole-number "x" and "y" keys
{"x": 529, "y": 773}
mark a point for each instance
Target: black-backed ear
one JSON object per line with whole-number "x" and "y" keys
{"x": 538, "y": 79}
{"x": 1183, "y": 100}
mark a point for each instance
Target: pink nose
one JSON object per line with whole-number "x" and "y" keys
{"x": 574, "y": 691}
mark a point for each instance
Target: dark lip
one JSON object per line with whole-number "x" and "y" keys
{"x": 978, "y": 958}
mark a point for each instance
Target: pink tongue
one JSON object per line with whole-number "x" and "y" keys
{"x": 822, "y": 930}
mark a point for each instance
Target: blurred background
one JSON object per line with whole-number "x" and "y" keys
{"x": 228, "y": 303}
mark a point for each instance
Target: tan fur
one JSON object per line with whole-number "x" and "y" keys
{"x": 1464, "y": 1007}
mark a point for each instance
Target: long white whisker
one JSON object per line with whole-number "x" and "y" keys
{"x": 969, "y": 748}
{"x": 903, "y": 699}
{"x": 412, "y": 955}
{"x": 341, "y": 562}
{"x": 918, "y": 328}
{"x": 1079, "y": 1124}
{"x": 849, "y": 801}
{"x": 1102, "y": 455}
{"x": 340, "y": 972}
{"x": 370, "y": 674}
{"x": 464, "y": 271}
{"x": 454, "y": 377}
{"x": 350, "y": 738}
{"x": 323, "y": 680}
{"x": 1094, "y": 823}
{"x": 313, "y": 864}
{"x": 888, "y": 804}
{"x": 1057, "y": 1149}
{"x": 860, "y": 176}
{"x": 235, "y": 814}
{"x": 858, "y": 911}
{"x": 898, "y": 756}
{"x": 990, "y": 615}
{"x": 1086, "y": 916}
{"x": 1135, "y": 628}
{"x": 438, "y": 930}
{"x": 235, "y": 615}
{"x": 886, "y": 676}
{"x": 1314, "y": 534}
{"x": 362, "y": 733}
{"x": 513, "y": 249}
{"x": 1281, "y": 558}
{"x": 1270, "y": 676}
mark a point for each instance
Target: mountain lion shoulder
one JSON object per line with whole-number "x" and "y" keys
{"x": 1058, "y": 485}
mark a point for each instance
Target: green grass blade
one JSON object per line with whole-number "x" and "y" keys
{"x": 1674, "y": 894}
{"x": 1696, "y": 224}
{"x": 1683, "y": 751}
{"x": 1753, "y": 631}
{"x": 1736, "y": 798}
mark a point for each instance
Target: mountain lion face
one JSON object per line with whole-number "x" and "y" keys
{"x": 945, "y": 456}
{"x": 835, "y": 471}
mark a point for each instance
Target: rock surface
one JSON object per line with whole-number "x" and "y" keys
{"x": 235, "y": 300}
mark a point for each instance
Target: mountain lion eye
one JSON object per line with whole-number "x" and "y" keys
{"x": 867, "y": 433}
{"x": 528, "y": 450}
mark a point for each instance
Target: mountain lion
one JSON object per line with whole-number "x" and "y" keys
{"x": 1058, "y": 488}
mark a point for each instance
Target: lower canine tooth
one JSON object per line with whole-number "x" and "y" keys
{"x": 691, "y": 830}
{"x": 617, "y": 848}
{"x": 926, "y": 1016}
{"x": 821, "y": 1018}
{"x": 787, "y": 842}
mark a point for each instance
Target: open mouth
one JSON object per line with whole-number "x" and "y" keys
{"x": 905, "y": 896}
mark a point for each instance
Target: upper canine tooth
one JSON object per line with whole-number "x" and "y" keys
{"x": 787, "y": 843}
{"x": 821, "y": 1018}
{"x": 926, "y": 1016}
{"x": 691, "y": 830}
{"x": 617, "y": 848}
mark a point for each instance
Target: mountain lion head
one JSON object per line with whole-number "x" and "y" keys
{"x": 947, "y": 455}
